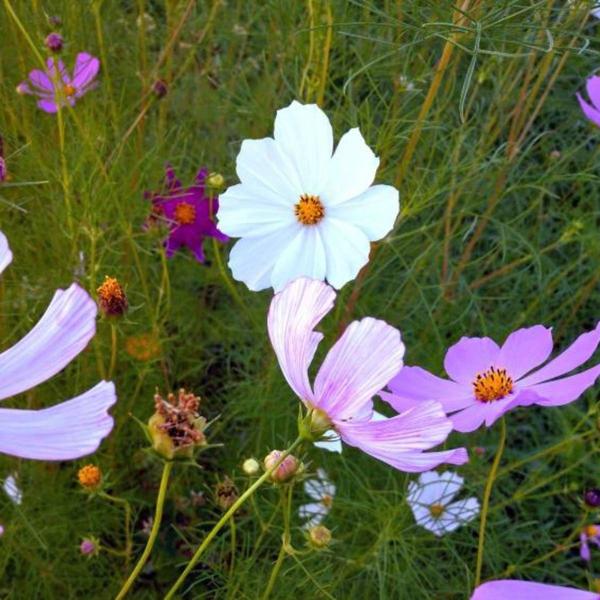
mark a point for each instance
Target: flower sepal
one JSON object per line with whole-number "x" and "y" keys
{"x": 313, "y": 424}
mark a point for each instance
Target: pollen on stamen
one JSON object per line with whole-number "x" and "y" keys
{"x": 436, "y": 510}
{"x": 309, "y": 210}
{"x": 185, "y": 213}
{"x": 493, "y": 384}
{"x": 69, "y": 90}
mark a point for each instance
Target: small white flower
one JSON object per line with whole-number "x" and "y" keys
{"x": 322, "y": 491}
{"x": 12, "y": 490}
{"x": 301, "y": 209}
{"x": 430, "y": 500}
{"x": 331, "y": 440}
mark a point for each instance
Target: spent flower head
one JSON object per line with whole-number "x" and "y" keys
{"x": 225, "y": 494}
{"x": 319, "y": 537}
{"x": 90, "y": 477}
{"x": 111, "y": 298}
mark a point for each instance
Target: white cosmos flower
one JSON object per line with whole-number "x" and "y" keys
{"x": 430, "y": 499}
{"x": 12, "y": 489}
{"x": 322, "y": 491}
{"x": 301, "y": 209}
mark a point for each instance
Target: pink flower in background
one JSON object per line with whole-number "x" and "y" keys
{"x": 505, "y": 589}
{"x": 70, "y": 429}
{"x": 591, "y": 533}
{"x": 591, "y": 111}
{"x": 3, "y": 170}
{"x": 57, "y": 88}
{"x": 357, "y": 367}
{"x": 188, "y": 212}
{"x": 487, "y": 380}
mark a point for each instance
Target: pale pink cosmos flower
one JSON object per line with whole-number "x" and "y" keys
{"x": 70, "y": 429}
{"x": 367, "y": 355}
{"x": 505, "y": 589}
{"x": 591, "y": 111}
{"x": 57, "y": 88}
{"x": 487, "y": 380}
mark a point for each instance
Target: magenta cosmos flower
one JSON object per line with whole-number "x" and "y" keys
{"x": 356, "y": 368}
{"x": 591, "y": 111}
{"x": 504, "y": 589}
{"x": 73, "y": 428}
{"x": 188, "y": 212}
{"x": 59, "y": 88}
{"x": 488, "y": 380}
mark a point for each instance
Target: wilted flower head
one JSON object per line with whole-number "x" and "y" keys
{"x": 112, "y": 298}
{"x": 528, "y": 590}
{"x": 431, "y": 500}
{"x": 73, "y": 428}
{"x": 176, "y": 426}
{"x": 319, "y": 537}
{"x": 367, "y": 355}
{"x": 89, "y": 477}
{"x": 322, "y": 491}
{"x": 592, "y": 498}
{"x": 488, "y": 380}
{"x": 225, "y": 494}
{"x": 187, "y": 212}
{"x": 55, "y": 87}
{"x": 303, "y": 209}
{"x": 89, "y": 547}
{"x": 54, "y": 42}
{"x": 287, "y": 468}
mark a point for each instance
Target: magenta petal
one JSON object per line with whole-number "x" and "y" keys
{"x": 505, "y": 589}
{"x": 524, "y": 350}
{"x": 576, "y": 354}
{"x": 48, "y": 106}
{"x": 470, "y": 356}
{"x": 5, "y": 253}
{"x": 86, "y": 69}
{"x": 593, "y": 90}
{"x": 589, "y": 111}
{"x": 565, "y": 390}
{"x": 65, "y": 431}
{"x": 41, "y": 81}
{"x": 584, "y": 548}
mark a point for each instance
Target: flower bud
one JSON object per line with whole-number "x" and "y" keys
{"x": 54, "y": 21}
{"x": 89, "y": 547}
{"x": 90, "y": 477}
{"x": 592, "y": 498}
{"x": 22, "y": 88}
{"x": 112, "y": 298}
{"x": 226, "y": 494}
{"x": 160, "y": 88}
{"x": 54, "y": 42}
{"x": 251, "y": 466}
{"x": 216, "y": 182}
{"x": 319, "y": 537}
{"x": 286, "y": 470}
{"x": 3, "y": 170}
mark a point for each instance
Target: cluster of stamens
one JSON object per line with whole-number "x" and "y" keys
{"x": 185, "y": 213}
{"x": 69, "y": 90}
{"x": 493, "y": 384}
{"x": 309, "y": 210}
{"x": 180, "y": 418}
{"x": 436, "y": 510}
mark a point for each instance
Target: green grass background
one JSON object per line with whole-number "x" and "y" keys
{"x": 498, "y": 229}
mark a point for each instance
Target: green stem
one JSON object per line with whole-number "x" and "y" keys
{"x": 127, "y": 508}
{"x": 113, "y": 349}
{"x": 225, "y": 518}
{"x": 486, "y": 500}
{"x": 160, "y": 502}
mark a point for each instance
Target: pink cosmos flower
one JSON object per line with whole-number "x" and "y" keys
{"x": 188, "y": 212}
{"x": 591, "y": 111}
{"x": 70, "y": 429}
{"x": 488, "y": 380}
{"x": 356, "y": 368}
{"x": 56, "y": 89}
{"x": 590, "y": 533}
{"x": 504, "y": 589}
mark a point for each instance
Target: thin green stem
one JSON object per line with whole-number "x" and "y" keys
{"x": 113, "y": 349}
{"x": 160, "y": 502}
{"x": 127, "y": 507}
{"x": 225, "y": 518}
{"x": 486, "y": 500}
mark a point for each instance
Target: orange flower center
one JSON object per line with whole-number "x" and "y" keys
{"x": 185, "y": 213}
{"x": 309, "y": 210}
{"x": 69, "y": 90}
{"x": 327, "y": 501}
{"x": 493, "y": 384}
{"x": 436, "y": 510}
{"x": 592, "y": 530}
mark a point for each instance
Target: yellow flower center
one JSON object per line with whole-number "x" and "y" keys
{"x": 185, "y": 213}
{"x": 327, "y": 501}
{"x": 89, "y": 476}
{"x": 69, "y": 90}
{"x": 436, "y": 510}
{"x": 309, "y": 210}
{"x": 592, "y": 530}
{"x": 493, "y": 384}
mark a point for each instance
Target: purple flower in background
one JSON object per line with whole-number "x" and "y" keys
{"x": 54, "y": 42}
{"x": 3, "y": 170}
{"x": 89, "y": 547}
{"x": 590, "y": 533}
{"x": 591, "y": 111}
{"x": 487, "y": 380}
{"x": 57, "y": 88}
{"x": 70, "y": 429}
{"x": 188, "y": 212}
{"x": 526, "y": 590}
{"x": 357, "y": 367}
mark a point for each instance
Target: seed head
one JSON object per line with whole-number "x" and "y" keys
{"x": 225, "y": 494}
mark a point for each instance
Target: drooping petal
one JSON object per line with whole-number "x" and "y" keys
{"x": 293, "y": 315}
{"x": 576, "y": 354}
{"x": 242, "y": 213}
{"x": 304, "y": 256}
{"x": 565, "y": 390}
{"x": 525, "y": 349}
{"x": 526, "y": 590}
{"x": 347, "y": 249}
{"x": 414, "y": 384}
{"x": 59, "y": 336}
{"x": 5, "y": 253}
{"x": 433, "y": 487}
{"x": 65, "y": 431}
{"x": 251, "y": 260}
{"x": 592, "y": 86}
{"x": 589, "y": 111}
{"x": 470, "y": 356}
{"x": 351, "y": 170}
{"x": 85, "y": 71}
{"x": 48, "y": 106}
{"x": 374, "y": 211}
{"x": 303, "y": 133}
{"x": 359, "y": 365}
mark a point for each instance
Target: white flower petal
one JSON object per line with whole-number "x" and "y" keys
{"x": 304, "y": 135}
{"x": 352, "y": 169}
{"x": 434, "y": 488}
{"x": 304, "y": 256}
{"x": 374, "y": 212}
{"x": 12, "y": 489}
{"x": 346, "y": 248}
{"x": 331, "y": 442}
{"x": 5, "y": 253}
{"x": 251, "y": 259}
